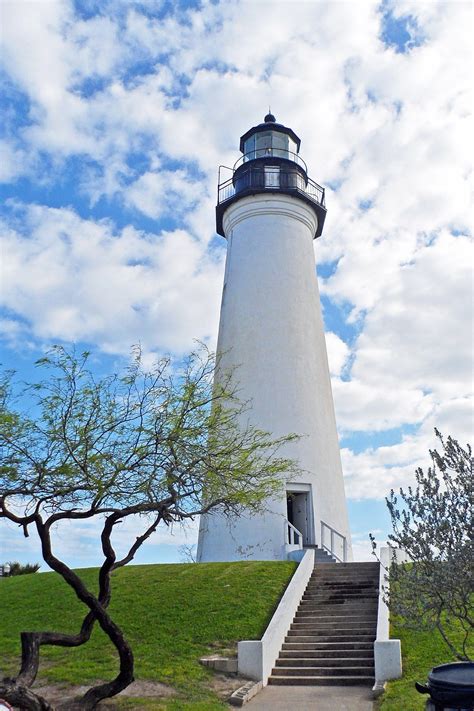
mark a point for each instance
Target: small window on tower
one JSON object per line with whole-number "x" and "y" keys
{"x": 272, "y": 176}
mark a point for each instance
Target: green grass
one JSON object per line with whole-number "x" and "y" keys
{"x": 171, "y": 614}
{"x": 421, "y": 651}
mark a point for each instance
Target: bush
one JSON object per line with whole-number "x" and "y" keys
{"x": 17, "y": 568}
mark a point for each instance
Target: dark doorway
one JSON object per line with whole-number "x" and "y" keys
{"x": 298, "y": 513}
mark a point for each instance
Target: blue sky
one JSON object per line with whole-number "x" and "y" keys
{"x": 116, "y": 116}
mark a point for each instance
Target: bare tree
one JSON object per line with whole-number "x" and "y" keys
{"x": 163, "y": 444}
{"x": 187, "y": 552}
{"x": 432, "y": 522}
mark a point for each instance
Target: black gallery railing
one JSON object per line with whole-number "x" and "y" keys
{"x": 269, "y": 178}
{"x": 272, "y": 153}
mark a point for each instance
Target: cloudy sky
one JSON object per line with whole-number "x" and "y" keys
{"x": 116, "y": 115}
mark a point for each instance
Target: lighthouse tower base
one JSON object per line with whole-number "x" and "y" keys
{"x": 271, "y": 337}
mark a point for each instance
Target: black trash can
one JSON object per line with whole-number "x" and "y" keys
{"x": 450, "y": 686}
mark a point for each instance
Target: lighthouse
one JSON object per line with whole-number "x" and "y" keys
{"x": 271, "y": 336}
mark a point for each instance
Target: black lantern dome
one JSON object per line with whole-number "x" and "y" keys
{"x": 270, "y": 162}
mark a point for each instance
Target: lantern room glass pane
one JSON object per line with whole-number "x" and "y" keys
{"x": 249, "y": 148}
{"x": 280, "y": 144}
{"x": 263, "y": 144}
{"x": 269, "y": 143}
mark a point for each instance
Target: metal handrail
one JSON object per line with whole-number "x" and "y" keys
{"x": 271, "y": 153}
{"x": 292, "y": 535}
{"x": 330, "y": 549}
{"x": 253, "y": 177}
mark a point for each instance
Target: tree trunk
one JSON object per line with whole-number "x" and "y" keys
{"x": 22, "y": 697}
{"x": 98, "y": 611}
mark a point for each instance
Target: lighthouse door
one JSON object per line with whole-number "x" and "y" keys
{"x": 299, "y": 514}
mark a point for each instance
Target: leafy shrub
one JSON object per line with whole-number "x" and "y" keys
{"x": 17, "y": 568}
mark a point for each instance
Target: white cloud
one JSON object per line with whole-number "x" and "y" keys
{"x": 156, "y": 194}
{"x": 361, "y": 405}
{"x": 415, "y": 349}
{"x": 75, "y": 279}
{"x": 338, "y": 353}
{"x": 373, "y": 472}
{"x": 13, "y": 162}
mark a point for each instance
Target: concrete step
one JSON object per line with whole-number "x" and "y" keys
{"x": 365, "y": 632}
{"x": 295, "y": 645}
{"x": 344, "y": 569}
{"x": 360, "y": 603}
{"x": 332, "y": 629}
{"x": 314, "y": 585}
{"x": 323, "y": 585}
{"x": 277, "y": 680}
{"x": 327, "y": 576}
{"x": 350, "y": 594}
{"x": 343, "y": 582}
{"x": 319, "y": 588}
{"x": 320, "y": 614}
{"x": 315, "y": 670}
{"x": 327, "y": 590}
{"x": 327, "y": 654}
{"x": 338, "y": 571}
{"x": 332, "y": 662}
{"x": 334, "y": 637}
{"x": 343, "y": 585}
{"x": 307, "y": 623}
{"x": 341, "y": 589}
{"x": 328, "y": 595}
{"x": 339, "y": 625}
{"x": 363, "y": 565}
{"x": 303, "y": 618}
{"x": 370, "y": 625}
{"x": 330, "y": 574}
{"x": 338, "y": 600}
{"x": 337, "y": 610}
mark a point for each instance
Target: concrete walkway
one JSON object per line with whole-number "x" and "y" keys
{"x": 312, "y": 698}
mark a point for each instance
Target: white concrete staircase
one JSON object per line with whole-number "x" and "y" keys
{"x": 331, "y": 639}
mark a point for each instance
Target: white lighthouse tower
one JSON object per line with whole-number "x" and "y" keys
{"x": 271, "y": 332}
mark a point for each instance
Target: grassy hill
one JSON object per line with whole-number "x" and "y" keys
{"x": 171, "y": 614}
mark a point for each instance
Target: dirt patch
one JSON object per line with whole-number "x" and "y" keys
{"x": 64, "y": 696}
{"x": 225, "y": 684}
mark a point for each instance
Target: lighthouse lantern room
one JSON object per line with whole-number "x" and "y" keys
{"x": 270, "y": 161}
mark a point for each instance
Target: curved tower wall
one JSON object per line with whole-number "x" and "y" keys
{"x": 271, "y": 331}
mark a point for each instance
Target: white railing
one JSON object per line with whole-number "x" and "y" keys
{"x": 293, "y": 537}
{"x": 330, "y": 546}
{"x": 387, "y": 652}
{"x": 256, "y": 658}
